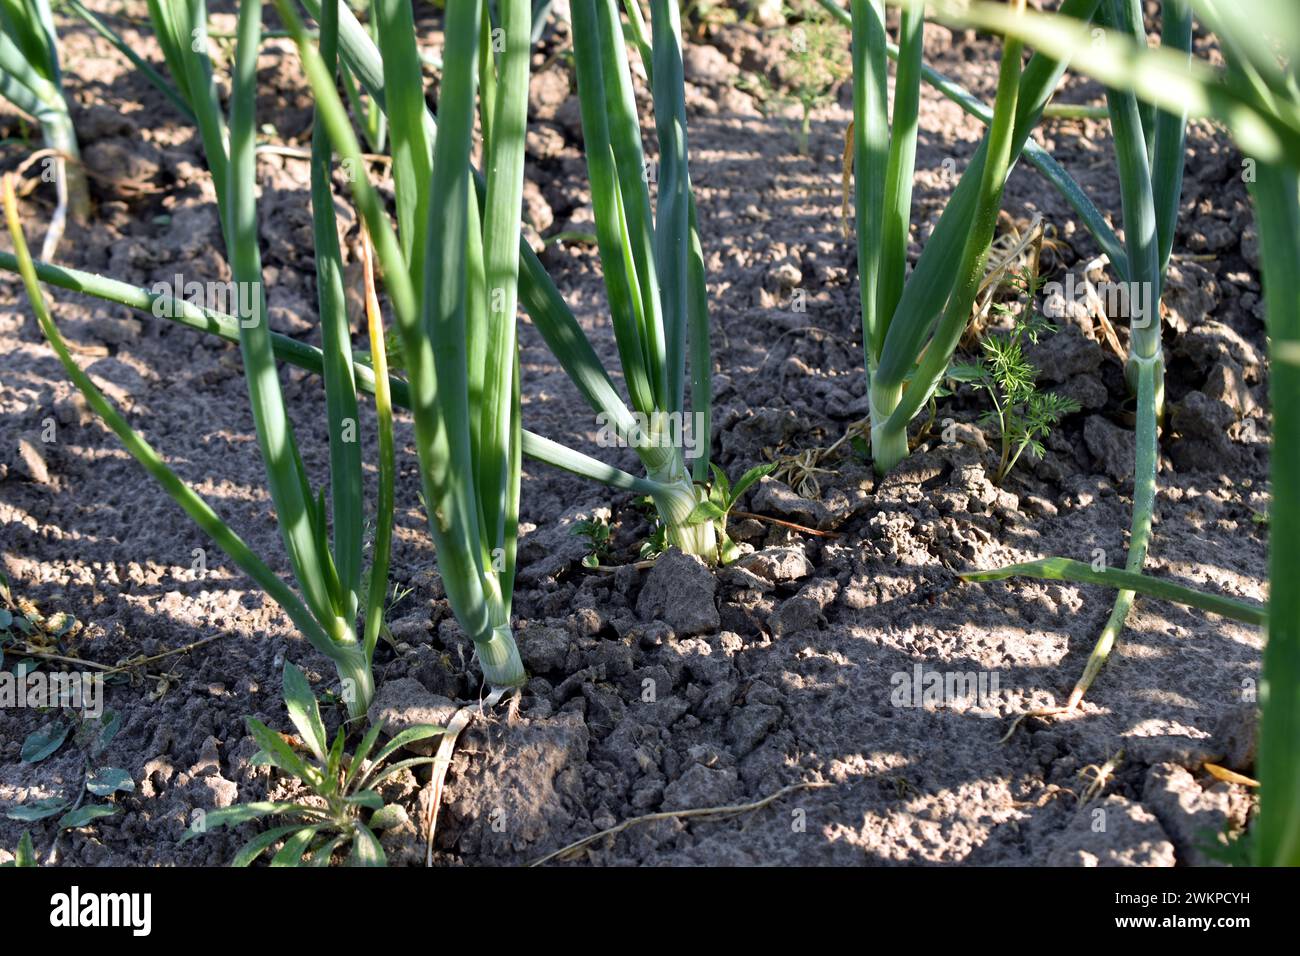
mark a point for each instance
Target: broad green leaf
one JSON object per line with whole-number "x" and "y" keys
{"x": 26, "y": 854}
{"x": 110, "y": 722}
{"x": 292, "y": 852}
{"x": 322, "y": 855}
{"x": 281, "y": 754}
{"x": 260, "y": 843}
{"x": 721, "y": 481}
{"x": 366, "y": 850}
{"x": 87, "y": 814}
{"x": 43, "y": 741}
{"x": 35, "y": 810}
{"x": 108, "y": 780}
{"x": 362, "y": 753}
{"x": 705, "y": 511}
{"x": 966, "y": 372}
{"x": 410, "y": 735}
{"x": 748, "y": 478}
{"x": 396, "y": 768}
{"x": 388, "y": 817}
{"x": 728, "y": 550}
{"x": 303, "y": 711}
{"x": 366, "y": 798}
{"x": 335, "y": 763}
{"x": 241, "y": 813}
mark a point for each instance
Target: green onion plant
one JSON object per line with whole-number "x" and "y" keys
{"x": 1149, "y": 148}
{"x": 30, "y": 79}
{"x": 913, "y": 323}
{"x": 651, "y": 253}
{"x": 329, "y": 573}
{"x": 1257, "y": 98}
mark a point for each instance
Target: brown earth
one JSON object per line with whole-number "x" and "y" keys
{"x": 675, "y": 687}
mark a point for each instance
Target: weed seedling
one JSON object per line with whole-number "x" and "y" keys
{"x": 597, "y": 533}
{"x": 817, "y": 62}
{"x": 1022, "y": 415}
{"x": 344, "y": 788}
{"x": 25, "y": 855}
{"x": 722, "y": 497}
{"x": 92, "y": 736}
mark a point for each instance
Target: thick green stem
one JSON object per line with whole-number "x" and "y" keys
{"x": 1064, "y": 569}
{"x": 888, "y": 446}
{"x": 1277, "y": 832}
{"x": 675, "y": 496}
{"x": 956, "y": 315}
{"x": 355, "y": 677}
{"x": 1150, "y": 374}
{"x": 675, "y": 501}
{"x": 870, "y": 164}
{"x": 499, "y": 658}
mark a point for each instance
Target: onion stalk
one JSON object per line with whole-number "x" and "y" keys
{"x": 30, "y": 79}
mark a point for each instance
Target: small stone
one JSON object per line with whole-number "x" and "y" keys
{"x": 223, "y": 791}
{"x": 1060, "y": 357}
{"x": 544, "y": 649}
{"x": 209, "y": 762}
{"x": 1227, "y": 384}
{"x": 777, "y": 564}
{"x": 1113, "y": 832}
{"x": 679, "y": 590}
{"x": 1112, "y": 446}
{"x": 1235, "y": 737}
{"x": 701, "y": 786}
{"x": 804, "y": 611}
{"x": 750, "y": 726}
{"x": 775, "y": 498}
{"x": 547, "y": 92}
{"x": 784, "y": 276}
{"x": 403, "y": 703}
{"x": 31, "y": 463}
{"x": 1087, "y": 389}
{"x": 1192, "y": 816}
{"x": 768, "y": 14}
{"x": 705, "y": 65}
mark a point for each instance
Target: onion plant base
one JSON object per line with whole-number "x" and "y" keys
{"x": 499, "y": 659}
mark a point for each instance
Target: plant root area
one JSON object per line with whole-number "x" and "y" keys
{"x": 672, "y": 687}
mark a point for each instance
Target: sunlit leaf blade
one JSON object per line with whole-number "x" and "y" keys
{"x": 498, "y": 416}
{"x": 291, "y": 853}
{"x": 412, "y": 139}
{"x": 43, "y": 741}
{"x": 1276, "y": 192}
{"x": 261, "y": 843}
{"x": 341, "y": 412}
{"x": 281, "y": 754}
{"x": 240, "y": 814}
{"x": 1065, "y": 569}
{"x": 274, "y": 430}
{"x": 1265, "y": 129}
{"x": 108, "y": 780}
{"x": 87, "y": 814}
{"x": 303, "y": 710}
{"x": 366, "y": 850}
